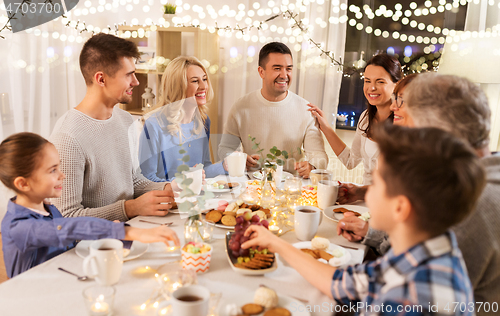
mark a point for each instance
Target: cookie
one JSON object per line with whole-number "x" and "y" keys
{"x": 254, "y": 207}
{"x": 343, "y": 210}
{"x": 324, "y": 255}
{"x": 173, "y": 205}
{"x": 278, "y": 311}
{"x": 229, "y": 213}
{"x": 228, "y": 220}
{"x": 213, "y": 216}
{"x": 311, "y": 252}
{"x": 252, "y": 309}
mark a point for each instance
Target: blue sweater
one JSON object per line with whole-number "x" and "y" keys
{"x": 30, "y": 238}
{"x": 159, "y": 150}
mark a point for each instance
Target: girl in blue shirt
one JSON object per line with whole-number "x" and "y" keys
{"x": 179, "y": 120}
{"x": 34, "y": 231}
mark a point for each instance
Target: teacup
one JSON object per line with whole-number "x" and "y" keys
{"x": 105, "y": 261}
{"x": 236, "y": 163}
{"x": 189, "y": 300}
{"x": 307, "y": 220}
{"x": 318, "y": 175}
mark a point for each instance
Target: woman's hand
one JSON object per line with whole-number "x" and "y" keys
{"x": 350, "y": 192}
{"x": 352, "y": 227}
{"x": 320, "y": 116}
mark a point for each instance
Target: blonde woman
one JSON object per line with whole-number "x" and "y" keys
{"x": 179, "y": 120}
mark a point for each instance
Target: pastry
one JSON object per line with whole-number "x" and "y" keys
{"x": 252, "y": 309}
{"x": 213, "y": 216}
{"x": 228, "y": 220}
{"x": 232, "y": 207}
{"x": 324, "y": 255}
{"x": 266, "y": 297}
{"x": 320, "y": 243}
{"x": 278, "y": 311}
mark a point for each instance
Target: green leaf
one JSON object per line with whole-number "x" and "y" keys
{"x": 182, "y": 168}
{"x": 187, "y": 181}
{"x": 272, "y": 151}
{"x": 270, "y": 156}
{"x": 278, "y": 152}
{"x": 209, "y": 195}
{"x": 186, "y": 192}
{"x": 254, "y": 147}
{"x": 182, "y": 151}
{"x": 285, "y": 154}
{"x": 280, "y": 162}
{"x": 186, "y": 159}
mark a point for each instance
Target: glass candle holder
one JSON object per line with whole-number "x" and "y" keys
{"x": 99, "y": 300}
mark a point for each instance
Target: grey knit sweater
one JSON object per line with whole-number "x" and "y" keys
{"x": 96, "y": 159}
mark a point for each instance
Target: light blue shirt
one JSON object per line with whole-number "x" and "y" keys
{"x": 159, "y": 150}
{"x": 30, "y": 238}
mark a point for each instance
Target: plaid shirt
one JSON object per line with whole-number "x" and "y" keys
{"x": 429, "y": 278}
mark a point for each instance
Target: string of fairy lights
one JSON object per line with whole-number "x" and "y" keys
{"x": 297, "y": 32}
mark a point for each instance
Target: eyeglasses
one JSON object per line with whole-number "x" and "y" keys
{"x": 399, "y": 100}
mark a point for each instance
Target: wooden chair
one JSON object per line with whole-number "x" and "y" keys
{"x": 3, "y": 272}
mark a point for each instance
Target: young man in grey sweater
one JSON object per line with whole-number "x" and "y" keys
{"x": 93, "y": 141}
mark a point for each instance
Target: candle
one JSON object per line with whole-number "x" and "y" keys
{"x": 206, "y": 236}
{"x": 274, "y": 229}
{"x": 99, "y": 309}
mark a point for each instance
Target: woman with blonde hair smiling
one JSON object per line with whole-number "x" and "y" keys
{"x": 179, "y": 119}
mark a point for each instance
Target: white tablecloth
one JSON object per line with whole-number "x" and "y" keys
{"x": 44, "y": 290}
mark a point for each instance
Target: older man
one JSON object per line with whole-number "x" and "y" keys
{"x": 460, "y": 107}
{"x": 275, "y": 116}
{"x": 92, "y": 140}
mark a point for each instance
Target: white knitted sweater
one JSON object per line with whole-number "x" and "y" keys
{"x": 285, "y": 124}
{"x": 96, "y": 159}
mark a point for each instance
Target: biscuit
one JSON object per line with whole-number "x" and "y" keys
{"x": 324, "y": 255}
{"x": 311, "y": 252}
{"x": 173, "y": 205}
{"x": 343, "y": 210}
{"x": 229, "y": 213}
{"x": 254, "y": 207}
{"x": 278, "y": 311}
{"x": 228, "y": 220}
{"x": 213, "y": 216}
{"x": 252, "y": 309}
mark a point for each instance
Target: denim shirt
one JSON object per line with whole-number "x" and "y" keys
{"x": 30, "y": 238}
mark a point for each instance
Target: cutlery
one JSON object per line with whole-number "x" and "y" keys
{"x": 248, "y": 177}
{"x": 79, "y": 278}
{"x": 353, "y": 248}
{"x": 161, "y": 224}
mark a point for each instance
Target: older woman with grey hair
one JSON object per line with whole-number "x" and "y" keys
{"x": 459, "y": 106}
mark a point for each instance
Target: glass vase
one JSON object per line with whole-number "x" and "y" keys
{"x": 193, "y": 229}
{"x": 267, "y": 199}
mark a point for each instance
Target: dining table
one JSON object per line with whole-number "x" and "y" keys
{"x": 45, "y": 290}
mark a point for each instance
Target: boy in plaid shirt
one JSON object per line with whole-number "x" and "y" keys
{"x": 426, "y": 181}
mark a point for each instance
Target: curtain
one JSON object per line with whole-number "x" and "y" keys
{"x": 40, "y": 77}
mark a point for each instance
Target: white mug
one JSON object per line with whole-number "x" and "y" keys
{"x": 190, "y": 300}
{"x": 307, "y": 220}
{"x": 236, "y": 163}
{"x": 327, "y": 193}
{"x": 105, "y": 261}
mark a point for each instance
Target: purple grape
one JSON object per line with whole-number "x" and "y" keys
{"x": 255, "y": 219}
{"x": 240, "y": 219}
{"x": 235, "y": 246}
{"x": 236, "y": 254}
{"x": 265, "y": 223}
{"x": 238, "y": 228}
{"x": 244, "y": 239}
{"x": 244, "y": 252}
{"x": 237, "y": 236}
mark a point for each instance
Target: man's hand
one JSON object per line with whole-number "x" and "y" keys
{"x": 157, "y": 234}
{"x": 153, "y": 203}
{"x": 352, "y": 227}
{"x": 252, "y": 161}
{"x": 350, "y": 192}
{"x": 304, "y": 168}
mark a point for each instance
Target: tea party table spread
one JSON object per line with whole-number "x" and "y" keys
{"x": 44, "y": 290}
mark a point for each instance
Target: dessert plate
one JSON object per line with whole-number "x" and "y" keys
{"x": 233, "y": 261}
{"x": 329, "y": 211}
{"x": 340, "y": 261}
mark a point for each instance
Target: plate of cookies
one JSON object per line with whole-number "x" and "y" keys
{"x": 321, "y": 249}
{"x": 254, "y": 263}
{"x": 266, "y": 302}
{"x": 224, "y": 215}
{"x": 336, "y": 212}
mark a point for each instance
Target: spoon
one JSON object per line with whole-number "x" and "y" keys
{"x": 79, "y": 278}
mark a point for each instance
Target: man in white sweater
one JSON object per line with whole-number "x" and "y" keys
{"x": 275, "y": 116}
{"x": 92, "y": 140}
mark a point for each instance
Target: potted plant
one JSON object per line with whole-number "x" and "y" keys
{"x": 169, "y": 12}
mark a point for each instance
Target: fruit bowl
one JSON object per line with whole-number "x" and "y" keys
{"x": 232, "y": 261}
